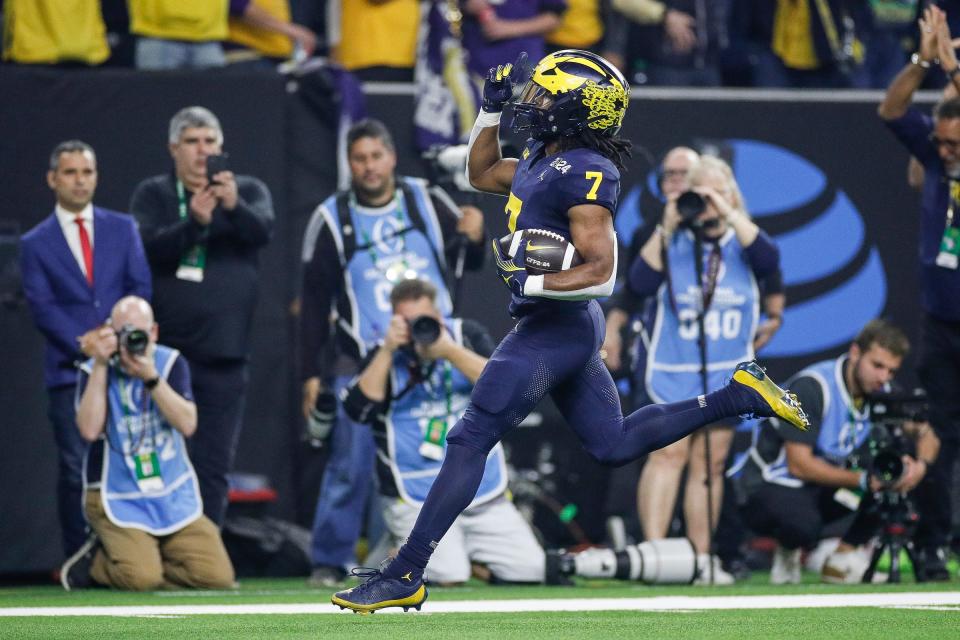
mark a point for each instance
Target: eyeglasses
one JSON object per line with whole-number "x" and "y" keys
{"x": 674, "y": 173}
{"x": 951, "y": 145}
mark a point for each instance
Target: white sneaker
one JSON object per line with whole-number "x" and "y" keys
{"x": 820, "y": 553}
{"x": 845, "y": 567}
{"x": 786, "y": 566}
{"x": 720, "y": 577}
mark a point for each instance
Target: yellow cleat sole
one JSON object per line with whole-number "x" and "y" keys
{"x": 783, "y": 404}
{"x": 410, "y": 602}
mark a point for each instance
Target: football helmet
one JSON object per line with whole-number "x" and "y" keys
{"x": 569, "y": 91}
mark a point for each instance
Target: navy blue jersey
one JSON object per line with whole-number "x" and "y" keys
{"x": 545, "y": 187}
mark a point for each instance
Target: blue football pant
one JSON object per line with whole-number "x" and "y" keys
{"x": 555, "y": 351}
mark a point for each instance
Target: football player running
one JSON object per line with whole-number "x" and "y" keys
{"x": 567, "y": 181}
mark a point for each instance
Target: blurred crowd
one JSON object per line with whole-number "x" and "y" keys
{"x": 706, "y": 43}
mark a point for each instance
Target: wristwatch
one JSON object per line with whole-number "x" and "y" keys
{"x": 920, "y": 62}
{"x": 151, "y": 383}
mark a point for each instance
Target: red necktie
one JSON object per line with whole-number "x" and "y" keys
{"x": 86, "y": 248}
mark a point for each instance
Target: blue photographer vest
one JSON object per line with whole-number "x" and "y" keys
{"x": 843, "y": 429}
{"x": 673, "y": 359}
{"x": 135, "y": 426}
{"x": 406, "y": 424}
{"x": 388, "y": 248}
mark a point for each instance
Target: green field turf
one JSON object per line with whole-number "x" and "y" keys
{"x": 810, "y": 623}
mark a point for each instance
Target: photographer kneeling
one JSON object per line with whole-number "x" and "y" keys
{"x": 412, "y": 390}
{"x": 140, "y": 491}
{"x": 797, "y": 482}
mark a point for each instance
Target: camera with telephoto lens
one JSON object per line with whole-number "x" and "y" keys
{"x": 322, "y": 419}
{"x": 424, "y": 330}
{"x": 134, "y": 341}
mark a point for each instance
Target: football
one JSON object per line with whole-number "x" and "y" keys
{"x": 544, "y": 251}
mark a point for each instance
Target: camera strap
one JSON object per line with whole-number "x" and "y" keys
{"x": 709, "y": 284}
{"x": 194, "y": 259}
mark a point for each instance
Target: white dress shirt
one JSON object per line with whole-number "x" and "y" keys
{"x": 72, "y": 233}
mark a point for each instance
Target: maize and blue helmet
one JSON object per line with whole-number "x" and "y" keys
{"x": 570, "y": 91}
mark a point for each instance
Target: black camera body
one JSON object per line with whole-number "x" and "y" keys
{"x": 424, "y": 330}
{"x": 690, "y": 205}
{"x": 133, "y": 340}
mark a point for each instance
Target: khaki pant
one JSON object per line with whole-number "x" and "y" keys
{"x": 134, "y": 560}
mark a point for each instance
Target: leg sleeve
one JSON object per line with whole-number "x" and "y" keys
{"x": 129, "y": 559}
{"x": 591, "y": 405}
{"x": 195, "y": 557}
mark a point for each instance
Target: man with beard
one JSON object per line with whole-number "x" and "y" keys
{"x": 798, "y": 482}
{"x": 357, "y": 246}
{"x": 935, "y": 143}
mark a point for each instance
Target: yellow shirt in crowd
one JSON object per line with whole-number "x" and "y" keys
{"x": 266, "y": 42}
{"x": 51, "y": 31}
{"x": 190, "y": 20}
{"x": 792, "y": 35}
{"x": 375, "y": 35}
{"x": 581, "y": 26}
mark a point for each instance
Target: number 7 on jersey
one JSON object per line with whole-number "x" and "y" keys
{"x": 597, "y": 178}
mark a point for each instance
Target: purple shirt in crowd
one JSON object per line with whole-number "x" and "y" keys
{"x": 484, "y": 54}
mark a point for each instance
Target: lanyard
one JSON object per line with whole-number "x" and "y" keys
{"x": 182, "y": 199}
{"x": 953, "y": 194}
{"x": 709, "y": 284}
{"x": 400, "y": 216}
{"x": 126, "y": 391}
{"x": 447, "y": 386}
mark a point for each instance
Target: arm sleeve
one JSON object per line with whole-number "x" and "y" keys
{"x": 179, "y": 378}
{"x": 322, "y": 282}
{"x": 772, "y": 283}
{"x": 164, "y": 243}
{"x": 448, "y": 214}
{"x": 358, "y": 406}
{"x": 643, "y": 279}
{"x": 810, "y": 394}
{"x": 251, "y": 221}
{"x": 49, "y": 316}
{"x": 763, "y": 255}
{"x": 477, "y": 338}
{"x": 913, "y": 130}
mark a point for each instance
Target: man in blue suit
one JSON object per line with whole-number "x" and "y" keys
{"x": 76, "y": 264}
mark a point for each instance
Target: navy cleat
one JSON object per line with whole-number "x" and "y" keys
{"x": 773, "y": 401}
{"x": 379, "y": 592}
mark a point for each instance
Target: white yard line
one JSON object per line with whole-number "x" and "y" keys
{"x": 661, "y": 603}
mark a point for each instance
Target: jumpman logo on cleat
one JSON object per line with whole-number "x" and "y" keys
{"x": 407, "y": 577}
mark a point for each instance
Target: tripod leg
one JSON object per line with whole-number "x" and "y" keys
{"x": 868, "y": 574}
{"x": 895, "y": 547}
{"x": 918, "y": 572}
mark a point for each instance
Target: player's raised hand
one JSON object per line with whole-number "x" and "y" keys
{"x": 498, "y": 88}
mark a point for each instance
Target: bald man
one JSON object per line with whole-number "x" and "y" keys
{"x": 141, "y": 496}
